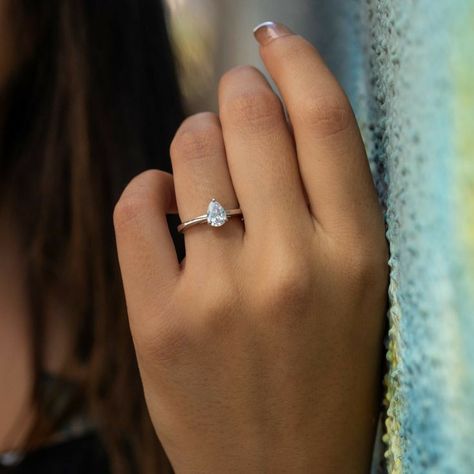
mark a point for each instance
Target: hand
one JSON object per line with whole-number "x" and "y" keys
{"x": 261, "y": 352}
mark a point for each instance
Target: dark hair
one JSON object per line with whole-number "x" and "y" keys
{"x": 94, "y": 102}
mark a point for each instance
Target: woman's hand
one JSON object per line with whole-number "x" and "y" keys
{"x": 262, "y": 352}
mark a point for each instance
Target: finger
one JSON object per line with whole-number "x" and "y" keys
{"x": 261, "y": 153}
{"x": 200, "y": 174}
{"x": 330, "y": 150}
{"x": 146, "y": 251}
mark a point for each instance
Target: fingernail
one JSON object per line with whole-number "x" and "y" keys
{"x": 269, "y": 30}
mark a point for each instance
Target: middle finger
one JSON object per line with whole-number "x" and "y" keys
{"x": 261, "y": 154}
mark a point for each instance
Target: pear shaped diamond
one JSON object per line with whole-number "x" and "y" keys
{"x": 216, "y": 215}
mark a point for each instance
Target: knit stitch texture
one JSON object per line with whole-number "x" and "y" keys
{"x": 408, "y": 68}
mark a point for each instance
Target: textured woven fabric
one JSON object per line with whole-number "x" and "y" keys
{"x": 408, "y": 67}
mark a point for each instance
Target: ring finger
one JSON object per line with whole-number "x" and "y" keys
{"x": 200, "y": 174}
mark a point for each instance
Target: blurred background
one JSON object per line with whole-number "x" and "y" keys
{"x": 212, "y": 36}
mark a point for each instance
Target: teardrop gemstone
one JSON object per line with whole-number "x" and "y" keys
{"x": 216, "y": 215}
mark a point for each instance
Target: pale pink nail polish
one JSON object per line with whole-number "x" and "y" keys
{"x": 269, "y": 30}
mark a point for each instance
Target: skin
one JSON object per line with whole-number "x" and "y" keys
{"x": 261, "y": 351}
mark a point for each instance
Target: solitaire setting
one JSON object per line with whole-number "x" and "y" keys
{"x": 216, "y": 216}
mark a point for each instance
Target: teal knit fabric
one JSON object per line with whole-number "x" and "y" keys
{"x": 408, "y": 68}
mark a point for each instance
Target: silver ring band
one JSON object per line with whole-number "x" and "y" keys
{"x": 216, "y": 216}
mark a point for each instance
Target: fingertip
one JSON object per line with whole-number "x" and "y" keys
{"x": 268, "y": 31}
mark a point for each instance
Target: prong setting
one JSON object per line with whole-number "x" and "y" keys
{"x": 216, "y": 214}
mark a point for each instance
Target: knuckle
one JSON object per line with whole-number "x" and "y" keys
{"x": 235, "y": 75}
{"x": 137, "y": 197}
{"x": 295, "y": 49}
{"x": 232, "y": 79}
{"x": 256, "y": 109}
{"x": 126, "y": 211}
{"x": 368, "y": 266}
{"x": 326, "y": 114}
{"x": 197, "y": 137}
{"x": 216, "y": 315}
{"x": 163, "y": 344}
{"x": 289, "y": 283}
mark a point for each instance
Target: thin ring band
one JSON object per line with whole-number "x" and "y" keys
{"x": 203, "y": 219}
{"x": 216, "y": 216}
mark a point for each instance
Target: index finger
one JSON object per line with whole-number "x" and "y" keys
{"x": 331, "y": 154}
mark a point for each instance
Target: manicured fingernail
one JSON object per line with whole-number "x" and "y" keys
{"x": 269, "y": 30}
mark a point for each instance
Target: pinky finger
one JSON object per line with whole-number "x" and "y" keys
{"x": 146, "y": 251}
